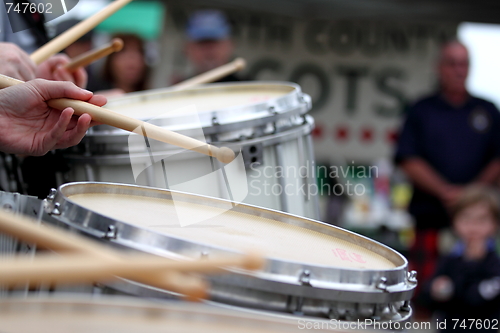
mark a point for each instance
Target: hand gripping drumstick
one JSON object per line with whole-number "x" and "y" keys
{"x": 70, "y": 36}
{"x": 89, "y": 57}
{"x": 91, "y": 261}
{"x": 213, "y": 75}
{"x": 108, "y": 117}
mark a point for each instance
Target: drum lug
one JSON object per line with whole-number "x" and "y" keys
{"x": 56, "y": 210}
{"x": 50, "y": 207}
{"x": 406, "y": 306}
{"x": 272, "y": 110}
{"x": 253, "y": 154}
{"x": 340, "y": 312}
{"x": 215, "y": 121}
{"x": 52, "y": 195}
{"x": 305, "y": 99}
{"x": 111, "y": 233}
{"x": 412, "y": 277}
{"x": 382, "y": 284}
{"x": 295, "y": 303}
{"x": 204, "y": 255}
{"x": 305, "y": 278}
{"x": 333, "y": 313}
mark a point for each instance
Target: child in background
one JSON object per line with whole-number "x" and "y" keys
{"x": 466, "y": 284}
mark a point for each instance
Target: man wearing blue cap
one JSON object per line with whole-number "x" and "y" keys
{"x": 209, "y": 42}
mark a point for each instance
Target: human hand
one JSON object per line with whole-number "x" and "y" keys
{"x": 450, "y": 194}
{"x": 442, "y": 288}
{"x": 53, "y": 69}
{"x": 16, "y": 63}
{"x": 29, "y": 126}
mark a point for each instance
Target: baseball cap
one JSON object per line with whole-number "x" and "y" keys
{"x": 208, "y": 24}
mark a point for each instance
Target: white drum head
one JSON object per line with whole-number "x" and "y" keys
{"x": 233, "y": 230}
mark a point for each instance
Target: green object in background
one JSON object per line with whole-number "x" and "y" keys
{"x": 144, "y": 18}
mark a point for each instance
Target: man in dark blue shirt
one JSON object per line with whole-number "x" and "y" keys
{"x": 449, "y": 140}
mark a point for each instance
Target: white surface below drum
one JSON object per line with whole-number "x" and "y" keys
{"x": 131, "y": 315}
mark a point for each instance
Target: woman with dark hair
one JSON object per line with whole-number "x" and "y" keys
{"x": 126, "y": 70}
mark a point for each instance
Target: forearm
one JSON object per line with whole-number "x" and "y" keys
{"x": 490, "y": 174}
{"x": 424, "y": 176}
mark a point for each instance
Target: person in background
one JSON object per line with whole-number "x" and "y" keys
{"x": 125, "y": 71}
{"x": 209, "y": 43}
{"x": 466, "y": 283}
{"x": 448, "y": 141}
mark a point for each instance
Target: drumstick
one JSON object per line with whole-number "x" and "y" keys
{"x": 89, "y": 57}
{"x": 85, "y": 268}
{"x": 70, "y": 36}
{"x": 212, "y": 75}
{"x": 49, "y": 237}
{"x": 105, "y": 262}
{"x": 53, "y": 238}
{"x": 108, "y": 117}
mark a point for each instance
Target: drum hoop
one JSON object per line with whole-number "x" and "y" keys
{"x": 105, "y": 131}
{"x": 231, "y": 118}
{"x": 286, "y": 273}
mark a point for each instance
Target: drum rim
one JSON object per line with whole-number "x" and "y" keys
{"x": 202, "y": 87}
{"x": 144, "y": 308}
{"x": 354, "y": 284}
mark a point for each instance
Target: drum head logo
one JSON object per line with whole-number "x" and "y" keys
{"x": 163, "y": 165}
{"x": 27, "y": 14}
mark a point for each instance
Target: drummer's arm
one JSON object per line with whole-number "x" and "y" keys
{"x": 426, "y": 178}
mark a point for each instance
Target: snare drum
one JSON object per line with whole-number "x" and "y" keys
{"x": 131, "y": 315}
{"x": 312, "y": 268}
{"x": 266, "y": 120}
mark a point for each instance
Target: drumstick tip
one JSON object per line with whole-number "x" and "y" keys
{"x": 253, "y": 261}
{"x": 117, "y": 44}
{"x": 240, "y": 63}
{"x": 225, "y": 155}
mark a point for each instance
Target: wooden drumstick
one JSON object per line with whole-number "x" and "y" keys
{"x": 91, "y": 261}
{"x": 213, "y": 75}
{"x": 70, "y": 36}
{"x": 52, "y": 238}
{"x": 89, "y": 57}
{"x": 108, "y": 117}
{"x": 85, "y": 268}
